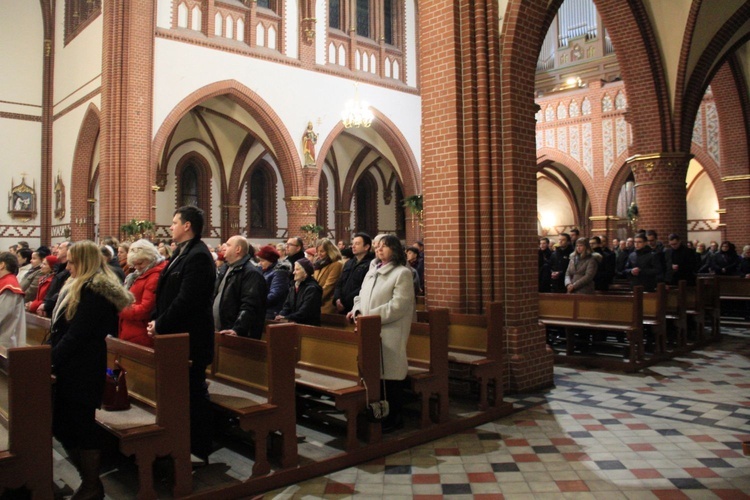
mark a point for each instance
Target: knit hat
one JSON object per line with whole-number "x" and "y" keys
{"x": 51, "y": 260}
{"x": 268, "y": 253}
{"x": 306, "y": 265}
{"x": 311, "y": 252}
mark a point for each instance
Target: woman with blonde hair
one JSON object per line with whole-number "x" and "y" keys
{"x": 148, "y": 264}
{"x": 328, "y": 267}
{"x": 85, "y": 313}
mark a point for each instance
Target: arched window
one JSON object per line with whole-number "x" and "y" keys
{"x": 261, "y": 202}
{"x": 366, "y": 203}
{"x": 400, "y": 213}
{"x": 194, "y": 186}
{"x": 78, "y": 15}
{"x": 363, "y": 18}
{"x": 189, "y": 186}
{"x": 334, "y": 15}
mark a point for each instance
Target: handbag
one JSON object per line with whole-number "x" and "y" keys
{"x": 377, "y": 410}
{"x": 115, "y": 396}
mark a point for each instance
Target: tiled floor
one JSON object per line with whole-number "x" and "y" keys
{"x": 675, "y": 431}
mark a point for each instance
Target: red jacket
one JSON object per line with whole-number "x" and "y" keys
{"x": 45, "y": 280}
{"x": 135, "y": 318}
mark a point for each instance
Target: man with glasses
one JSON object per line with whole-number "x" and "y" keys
{"x": 295, "y": 250}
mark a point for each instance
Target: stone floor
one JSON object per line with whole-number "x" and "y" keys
{"x": 673, "y": 431}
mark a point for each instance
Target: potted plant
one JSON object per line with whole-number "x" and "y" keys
{"x": 137, "y": 229}
{"x": 311, "y": 232}
{"x": 414, "y": 204}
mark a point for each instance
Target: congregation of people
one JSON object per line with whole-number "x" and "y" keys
{"x": 138, "y": 290}
{"x": 587, "y": 265}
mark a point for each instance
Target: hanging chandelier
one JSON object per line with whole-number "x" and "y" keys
{"x": 357, "y": 113}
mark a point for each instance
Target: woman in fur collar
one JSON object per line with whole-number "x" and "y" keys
{"x": 86, "y": 312}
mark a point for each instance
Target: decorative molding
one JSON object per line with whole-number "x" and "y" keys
{"x": 649, "y": 161}
{"x": 732, "y": 178}
{"x": 651, "y": 183}
{"x": 604, "y": 217}
{"x": 743, "y": 197}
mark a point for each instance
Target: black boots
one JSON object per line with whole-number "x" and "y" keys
{"x": 91, "y": 486}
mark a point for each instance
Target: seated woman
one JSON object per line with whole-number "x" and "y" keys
{"x": 305, "y": 294}
{"x": 47, "y": 272}
{"x": 277, "y": 279}
{"x": 148, "y": 264}
{"x": 328, "y": 267}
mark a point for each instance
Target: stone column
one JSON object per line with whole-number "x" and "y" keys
{"x": 660, "y": 192}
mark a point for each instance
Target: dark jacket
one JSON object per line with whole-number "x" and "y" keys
{"x": 291, "y": 259}
{"x": 725, "y": 263}
{"x": 277, "y": 283}
{"x": 61, "y": 276}
{"x": 605, "y": 273}
{"x": 242, "y": 305}
{"x": 183, "y": 300}
{"x": 685, "y": 260}
{"x": 303, "y": 306}
{"x": 649, "y": 272}
{"x": 559, "y": 263}
{"x": 79, "y": 352}
{"x": 351, "y": 280}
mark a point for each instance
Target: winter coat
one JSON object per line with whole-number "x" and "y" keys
{"x": 685, "y": 260}
{"x": 649, "y": 271}
{"x": 351, "y": 280}
{"x": 79, "y": 351}
{"x": 558, "y": 263}
{"x": 242, "y": 305}
{"x": 183, "y": 300}
{"x": 134, "y": 319}
{"x": 30, "y": 283}
{"x": 327, "y": 277}
{"x": 43, "y": 285}
{"x": 303, "y": 306}
{"x": 581, "y": 272}
{"x": 277, "y": 282}
{"x": 388, "y": 292}
{"x": 725, "y": 263}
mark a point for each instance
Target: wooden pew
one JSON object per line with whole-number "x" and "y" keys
{"x": 253, "y": 381}
{"x": 609, "y": 313}
{"x": 734, "y": 292}
{"x": 37, "y": 329}
{"x": 339, "y": 364}
{"x": 655, "y": 316}
{"x": 26, "y": 420}
{"x": 676, "y": 313}
{"x": 475, "y": 342}
{"x": 427, "y": 352}
{"x": 156, "y": 425}
{"x": 696, "y": 310}
{"x": 711, "y": 304}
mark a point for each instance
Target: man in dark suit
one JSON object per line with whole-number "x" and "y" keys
{"x": 184, "y": 304}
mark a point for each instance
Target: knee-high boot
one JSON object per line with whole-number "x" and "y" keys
{"x": 91, "y": 485}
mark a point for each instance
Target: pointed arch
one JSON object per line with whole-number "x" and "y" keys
{"x": 82, "y": 168}
{"x": 284, "y": 148}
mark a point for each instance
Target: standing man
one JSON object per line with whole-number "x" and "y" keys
{"x": 61, "y": 276}
{"x": 353, "y": 273}
{"x": 605, "y": 273}
{"x": 183, "y": 304}
{"x": 558, "y": 263}
{"x": 240, "y": 297}
{"x": 545, "y": 253}
{"x": 680, "y": 262}
{"x": 643, "y": 265}
{"x": 295, "y": 250}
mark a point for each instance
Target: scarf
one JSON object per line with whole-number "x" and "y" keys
{"x": 10, "y": 282}
{"x": 130, "y": 278}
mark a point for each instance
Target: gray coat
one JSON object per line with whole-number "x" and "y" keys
{"x": 581, "y": 272}
{"x": 389, "y": 293}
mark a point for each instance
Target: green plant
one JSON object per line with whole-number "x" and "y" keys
{"x": 414, "y": 204}
{"x": 136, "y": 229}
{"x": 312, "y": 228}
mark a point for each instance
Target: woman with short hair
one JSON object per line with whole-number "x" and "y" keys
{"x": 388, "y": 291}
{"x": 582, "y": 268}
{"x": 85, "y": 313}
{"x": 148, "y": 264}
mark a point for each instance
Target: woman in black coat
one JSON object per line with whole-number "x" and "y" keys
{"x": 305, "y": 296}
{"x": 86, "y": 312}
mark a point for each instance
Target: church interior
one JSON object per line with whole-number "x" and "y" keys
{"x": 476, "y": 127}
